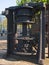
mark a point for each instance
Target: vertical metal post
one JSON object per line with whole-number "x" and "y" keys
{"x": 48, "y": 33}
{"x": 40, "y": 54}
{"x": 24, "y": 29}
{"x": 14, "y": 22}
{"x": 48, "y": 48}
{"x": 43, "y": 33}
{"x": 42, "y": 38}
{"x": 14, "y": 30}
{"x": 11, "y": 33}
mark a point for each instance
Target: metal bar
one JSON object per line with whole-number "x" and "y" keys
{"x": 22, "y": 53}
{"x": 11, "y": 33}
{"x": 40, "y": 46}
{"x": 13, "y": 22}
{"x": 42, "y": 38}
{"x": 40, "y": 54}
{"x": 24, "y": 29}
{"x": 43, "y": 34}
{"x": 47, "y": 7}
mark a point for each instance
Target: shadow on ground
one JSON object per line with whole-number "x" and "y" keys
{"x": 31, "y": 59}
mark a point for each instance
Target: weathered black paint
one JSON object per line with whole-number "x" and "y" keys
{"x": 23, "y": 14}
{"x": 11, "y": 33}
{"x": 43, "y": 34}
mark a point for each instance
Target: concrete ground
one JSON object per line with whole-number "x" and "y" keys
{"x": 18, "y": 60}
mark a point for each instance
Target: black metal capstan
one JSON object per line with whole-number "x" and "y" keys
{"x": 23, "y": 16}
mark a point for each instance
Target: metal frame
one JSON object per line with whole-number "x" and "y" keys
{"x": 11, "y": 37}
